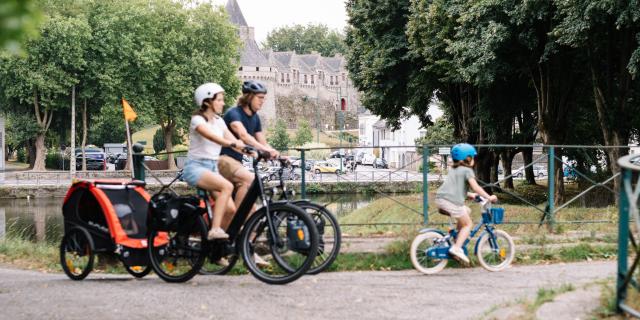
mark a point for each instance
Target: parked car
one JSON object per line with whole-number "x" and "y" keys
{"x": 121, "y": 160}
{"x": 538, "y": 172}
{"x": 308, "y": 166}
{"x": 96, "y": 159}
{"x": 380, "y": 163}
{"x": 326, "y": 167}
{"x": 289, "y": 173}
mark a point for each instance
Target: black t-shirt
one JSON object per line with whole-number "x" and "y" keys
{"x": 251, "y": 124}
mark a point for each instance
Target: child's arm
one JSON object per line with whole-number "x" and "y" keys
{"x": 476, "y": 187}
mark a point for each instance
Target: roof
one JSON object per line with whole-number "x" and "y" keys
{"x": 235, "y": 14}
{"x": 252, "y": 55}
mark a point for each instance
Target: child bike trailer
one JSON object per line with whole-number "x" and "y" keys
{"x": 105, "y": 217}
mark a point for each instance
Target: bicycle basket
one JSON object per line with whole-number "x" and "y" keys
{"x": 167, "y": 211}
{"x": 497, "y": 215}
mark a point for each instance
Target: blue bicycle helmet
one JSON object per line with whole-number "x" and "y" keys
{"x": 252, "y": 86}
{"x": 461, "y": 151}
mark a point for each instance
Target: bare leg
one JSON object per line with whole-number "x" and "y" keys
{"x": 222, "y": 189}
{"x": 464, "y": 229}
{"x": 243, "y": 179}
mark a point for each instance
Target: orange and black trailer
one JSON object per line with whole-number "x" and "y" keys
{"x": 106, "y": 217}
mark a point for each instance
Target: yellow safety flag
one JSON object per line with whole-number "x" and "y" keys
{"x": 129, "y": 114}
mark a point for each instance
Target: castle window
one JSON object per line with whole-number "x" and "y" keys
{"x": 288, "y": 80}
{"x": 336, "y": 80}
{"x": 257, "y": 68}
{"x": 305, "y": 79}
{"x": 312, "y": 78}
{"x": 240, "y": 68}
{"x": 344, "y": 77}
{"x": 331, "y": 80}
{"x": 281, "y": 76}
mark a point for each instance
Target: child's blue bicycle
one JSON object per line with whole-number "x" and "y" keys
{"x": 495, "y": 248}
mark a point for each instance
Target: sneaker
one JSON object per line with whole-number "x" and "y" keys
{"x": 217, "y": 233}
{"x": 260, "y": 262}
{"x": 459, "y": 254}
{"x": 223, "y": 262}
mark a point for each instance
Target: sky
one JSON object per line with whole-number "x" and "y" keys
{"x": 266, "y": 16}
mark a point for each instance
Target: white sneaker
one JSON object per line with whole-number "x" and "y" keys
{"x": 223, "y": 262}
{"x": 459, "y": 254}
{"x": 260, "y": 262}
{"x": 217, "y": 233}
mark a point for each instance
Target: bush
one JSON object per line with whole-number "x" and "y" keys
{"x": 53, "y": 160}
{"x": 22, "y": 155}
{"x": 158, "y": 140}
{"x": 432, "y": 166}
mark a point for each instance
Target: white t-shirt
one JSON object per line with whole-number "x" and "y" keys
{"x": 201, "y": 147}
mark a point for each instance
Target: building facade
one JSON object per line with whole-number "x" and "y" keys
{"x": 296, "y": 81}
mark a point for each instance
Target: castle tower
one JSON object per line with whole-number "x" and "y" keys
{"x": 253, "y": 64}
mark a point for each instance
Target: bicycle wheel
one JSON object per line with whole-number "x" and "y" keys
{"x": 138, "y": 271}
{"x": 418, "y": 252}
{"x": 183, "y": 255}
{"x": 291, "y": 254}
{"x": 495, "y": 255}
{"x": 217, "y": 262}
{"x": 330, "y": 236}
{"x": 76, "y": 253}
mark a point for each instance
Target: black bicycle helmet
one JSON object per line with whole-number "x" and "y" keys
{"x": 252, "y": 86}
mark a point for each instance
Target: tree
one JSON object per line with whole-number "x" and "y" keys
{"x": 306, "y": 39}
{"x": 40, "y": 83}
{"x": 441, "y": 132}
{"x": 19, "y": 21}
{"x": 390, "y": 76}
{"x": 158, "y": 140}
{"x": 608, "y": 33}
{"x": 278, "y": 137}
{"x": 304, "y": 134}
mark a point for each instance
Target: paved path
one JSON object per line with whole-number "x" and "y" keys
{"x": 451, "y": 294}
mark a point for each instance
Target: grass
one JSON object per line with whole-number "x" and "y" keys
{"x": 147, "y": 136}
{"x": 545, "y": 295}
{"x": 407, "y": 209}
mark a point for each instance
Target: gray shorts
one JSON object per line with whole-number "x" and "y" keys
{"x": 456, "y": 211}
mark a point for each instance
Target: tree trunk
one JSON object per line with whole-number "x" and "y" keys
{"x": 31, "y": 152}
{"x": 43, "y": 121}
{"x": 84, "y": 134}
{"x": 507, "y": 160}
{"x": 527, "y": 157}
{"x": 38, "y": 164}
{"x": 168, "y": 142}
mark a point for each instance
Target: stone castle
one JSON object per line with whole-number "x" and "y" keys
{"x": 301, "y": 86}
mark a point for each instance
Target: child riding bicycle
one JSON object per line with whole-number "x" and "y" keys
{"x": 451, "y": 194}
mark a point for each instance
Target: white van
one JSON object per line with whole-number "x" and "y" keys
{"x": 368, "y": 159}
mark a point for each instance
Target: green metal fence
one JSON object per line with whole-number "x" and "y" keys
{"x": 628, "y": 278}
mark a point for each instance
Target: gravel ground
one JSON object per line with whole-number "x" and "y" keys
{"x": 451, "y": 294}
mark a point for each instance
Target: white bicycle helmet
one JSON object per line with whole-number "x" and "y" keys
{"x": 206, "y": 91}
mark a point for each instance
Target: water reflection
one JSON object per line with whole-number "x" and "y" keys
{"x": 41, "y": 219}
{"x": 36, "y": 219}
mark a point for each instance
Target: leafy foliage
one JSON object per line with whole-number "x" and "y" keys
{"x": 306, "y": 39}
{"x": 19, "y": 20}
{"x": 304, "y": 134}
{"x": 278, "y": 137}
{"x": 158, "y": 140}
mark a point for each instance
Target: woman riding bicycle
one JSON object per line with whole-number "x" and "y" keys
{"x": 208, "y": 133}
{"x": 450, "y": 196}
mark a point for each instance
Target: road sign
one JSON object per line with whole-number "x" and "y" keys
{"x": 444, "y": 151}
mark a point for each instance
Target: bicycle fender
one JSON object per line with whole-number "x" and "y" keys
{"x": 431, "y": 229}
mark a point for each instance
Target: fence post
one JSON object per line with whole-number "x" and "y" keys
{"x": 138, "y": 162}
{"x": 551, "y": 186}
{"x": 425, "y": 184}
{"x": 303, "y": 168}
{"x": 623, "y": 241}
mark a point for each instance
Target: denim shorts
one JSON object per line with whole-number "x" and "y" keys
{"x": 195, "y": 168}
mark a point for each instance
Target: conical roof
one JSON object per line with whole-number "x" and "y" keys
{"x": 235, "y": 14}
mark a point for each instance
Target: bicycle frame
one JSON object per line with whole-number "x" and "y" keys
{"x": 443, "y": 252}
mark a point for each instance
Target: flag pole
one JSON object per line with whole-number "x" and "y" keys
{"x": 129, "y": 149}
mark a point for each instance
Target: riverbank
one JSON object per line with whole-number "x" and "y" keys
{"x": 24, "y": 191}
